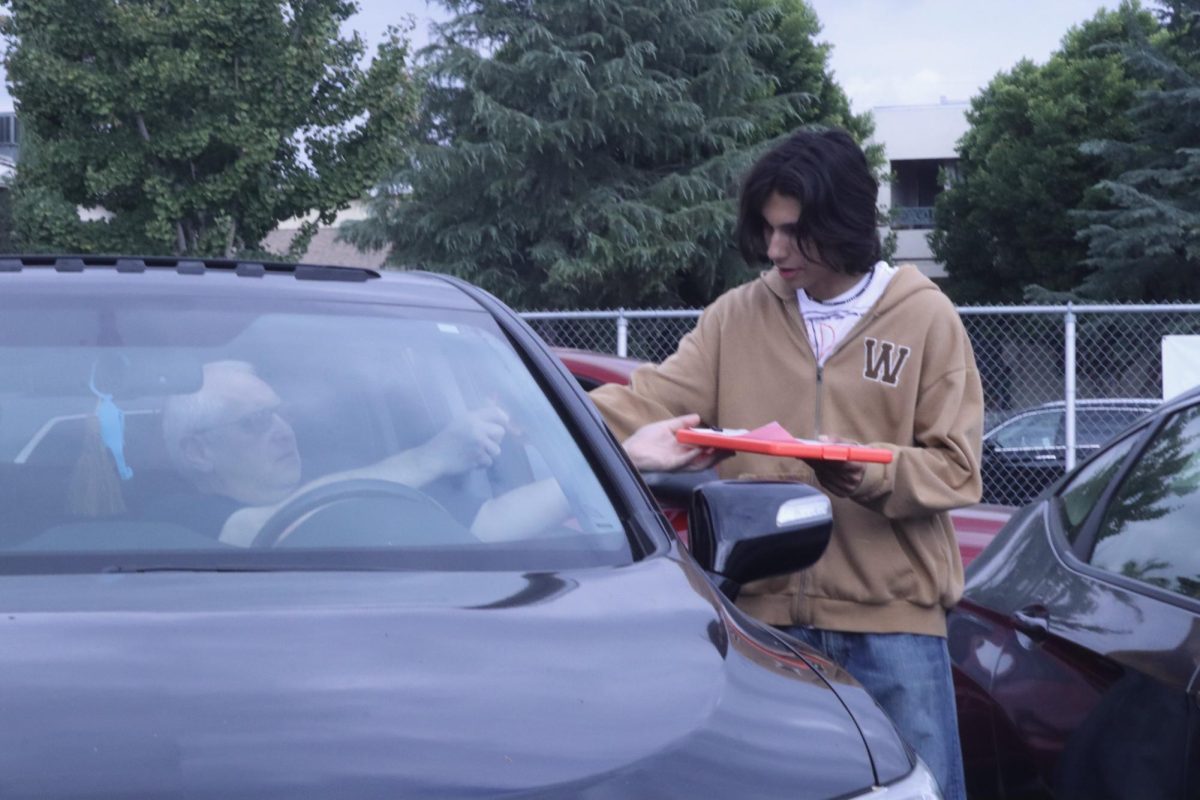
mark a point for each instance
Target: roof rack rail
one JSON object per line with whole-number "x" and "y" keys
{"x": 246, "y": 268}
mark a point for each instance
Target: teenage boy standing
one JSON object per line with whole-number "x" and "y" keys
{"x": 833, "y": 342}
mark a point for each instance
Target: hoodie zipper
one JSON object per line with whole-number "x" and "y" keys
{"x": 804, "y": 579}
{"x": 820, "y": 372}
{"x": 820, "y": 392}
{"x": 856, "y": 330}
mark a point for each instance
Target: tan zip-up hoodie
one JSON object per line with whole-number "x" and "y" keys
{"x": 904, "y": 378}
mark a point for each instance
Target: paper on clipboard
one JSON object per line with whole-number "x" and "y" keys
{"x": 774, "y": 440}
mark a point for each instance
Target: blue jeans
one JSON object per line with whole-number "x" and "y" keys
{"x": 909, "y": 676}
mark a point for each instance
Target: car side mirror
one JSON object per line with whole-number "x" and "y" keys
{"x": 674, "y": 489}
{"x": 744, "y": 531}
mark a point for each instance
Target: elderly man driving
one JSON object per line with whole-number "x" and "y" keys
{"x": 229, "y": 440}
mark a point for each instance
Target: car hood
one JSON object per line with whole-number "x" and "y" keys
{"x": 599, "y": 683}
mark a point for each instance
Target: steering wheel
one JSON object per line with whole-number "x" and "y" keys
{"x": 406, "y": 505}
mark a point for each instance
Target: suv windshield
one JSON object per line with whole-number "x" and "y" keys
{"x": 154, "y": 430}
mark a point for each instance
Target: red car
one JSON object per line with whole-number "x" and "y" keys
{"x": 975, "y": 525}
{"x": 1076, "y": 646}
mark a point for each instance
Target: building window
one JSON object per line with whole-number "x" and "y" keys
{"x": 10, "y": 131}
{"x": 915, "y": 185}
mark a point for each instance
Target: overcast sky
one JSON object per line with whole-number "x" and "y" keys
{"x": 885, "y": 52}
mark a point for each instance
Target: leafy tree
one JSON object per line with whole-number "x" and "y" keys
{"x": 585, "y": 152}
{"x": 1146, "y": 245}
{"x": 799, "y": 65}
{"x": 41, "y": 220}
{"x": 196, "y": 125}
{"x": 1006, "y": 222}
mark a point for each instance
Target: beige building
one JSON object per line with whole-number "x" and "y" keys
{"x": 919, "y": 142}
{"x": 324, "y": 247}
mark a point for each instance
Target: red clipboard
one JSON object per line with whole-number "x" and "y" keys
{"x": 773, "y": 440}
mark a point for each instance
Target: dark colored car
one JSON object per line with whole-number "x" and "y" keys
{"x": 473, "y": 637}
{"x": 1027, "y": 451}
{"x": 1077, "y": 643}
{"x": 974, "y": 526}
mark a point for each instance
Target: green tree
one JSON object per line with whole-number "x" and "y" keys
{"x": 1006, "y": 222}
{"x": 799, "y": 64}
{"x": 585, "y": 152}
{"x": 42, "y": 220}
{"x": 196, "y": 125}
{"x": 1146, "y": 245}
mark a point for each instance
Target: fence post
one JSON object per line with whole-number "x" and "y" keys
{"x": 622, "y": 333}
{"x": 1069, "y": 386}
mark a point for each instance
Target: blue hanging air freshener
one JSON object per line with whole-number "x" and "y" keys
{"x": 112, "y": 427}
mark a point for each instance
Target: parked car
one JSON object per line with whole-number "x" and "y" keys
{"x": 975, "y": 526}
{"x": 369, "y": 640}
{"x": 1077, "y": 642}
{"x": 592, "y": 369}
{"x": 1026, "y": 452}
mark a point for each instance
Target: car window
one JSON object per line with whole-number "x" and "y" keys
{"x": 1095, "y": 426}
{"x": 1148, "y": 531}
{"x": 230, "y": 428}
{"x": 1084, "y": 489}
{"x": 1034, "y": 430}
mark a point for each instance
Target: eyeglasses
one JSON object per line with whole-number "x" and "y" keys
{"x": 254, "y": 425}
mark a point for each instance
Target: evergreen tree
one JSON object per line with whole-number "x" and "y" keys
{"x": 799, "y": 65}
{"x": 1146, "y": 246}
{"x": 586, "y": 152}
{"x": 1006, "y": 222}
{"x": 195, "y": 126}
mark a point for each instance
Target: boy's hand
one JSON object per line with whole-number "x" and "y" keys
{"x": 839, "y": 478}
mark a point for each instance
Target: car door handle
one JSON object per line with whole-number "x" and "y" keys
{"x": 1033, "y": 621}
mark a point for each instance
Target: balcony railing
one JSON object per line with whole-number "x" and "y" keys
{"x": 912, "y": 217}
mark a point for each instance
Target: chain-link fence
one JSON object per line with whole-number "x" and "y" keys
{"x": 644, "y": 335}
{"x": 1058, "y": 380}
